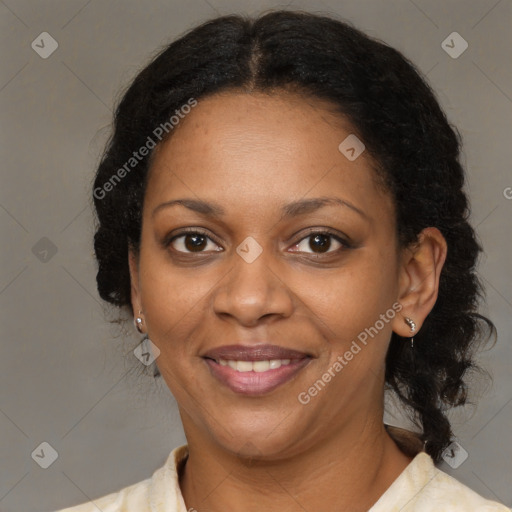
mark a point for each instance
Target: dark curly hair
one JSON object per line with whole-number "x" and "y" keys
{"x": 395, "y": 113}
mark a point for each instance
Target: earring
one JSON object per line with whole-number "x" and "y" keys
{"x": 412, "y": 326}
{"x": 138, "y": 323}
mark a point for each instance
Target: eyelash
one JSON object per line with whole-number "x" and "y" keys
{"x": 312, "y": 232}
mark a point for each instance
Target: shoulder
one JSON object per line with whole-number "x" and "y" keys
{"x": 424, "y": 488}
{"x": 161, "y": 488}
{"x": 454, "y": 496}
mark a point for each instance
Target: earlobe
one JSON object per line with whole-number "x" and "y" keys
{"x": 419, "y": 279}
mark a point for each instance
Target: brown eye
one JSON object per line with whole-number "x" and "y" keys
{"x": 319, "y": 242}
{"x": 193, "y": 241}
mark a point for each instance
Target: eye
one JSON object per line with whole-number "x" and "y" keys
{"x": 192, "y": 241}
{"x": 320, "y": 242}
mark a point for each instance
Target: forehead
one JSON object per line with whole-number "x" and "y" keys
{"x": 256, "y": 149}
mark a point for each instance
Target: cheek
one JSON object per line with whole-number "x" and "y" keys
{"x": 354, "y": 311}
{"x": 173, "y": 301}
{"x": 351, "y": 298}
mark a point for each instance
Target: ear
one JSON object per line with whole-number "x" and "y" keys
{"x": 133, "y": 262}
{"x": 419, "y": 279}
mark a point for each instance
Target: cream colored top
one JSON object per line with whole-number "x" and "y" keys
{"x": 421, "y": 487}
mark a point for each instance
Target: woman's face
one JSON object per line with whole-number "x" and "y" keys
{"x": 262, "y": 271}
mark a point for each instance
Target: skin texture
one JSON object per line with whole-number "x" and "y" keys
{"x": 251, "y": 154}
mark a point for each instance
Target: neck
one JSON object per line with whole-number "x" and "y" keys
{"x": 349, "y": 471}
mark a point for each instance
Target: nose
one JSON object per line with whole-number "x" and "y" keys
{"x": 252, "y": 291}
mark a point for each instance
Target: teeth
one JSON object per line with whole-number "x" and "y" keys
{"x": 255, "y": 366}
{"x": 260, "y": 366}
{"x": 244, "y": 366}
{"x": 275, "y": 363}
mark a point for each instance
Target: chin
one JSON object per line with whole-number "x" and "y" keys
{"x": 260, "y": 443}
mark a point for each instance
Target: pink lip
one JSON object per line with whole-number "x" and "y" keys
{"x": 254, "y": 383}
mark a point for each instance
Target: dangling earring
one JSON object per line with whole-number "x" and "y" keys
{"x": 138, "y": 323}
{"x": 412, "y": 326}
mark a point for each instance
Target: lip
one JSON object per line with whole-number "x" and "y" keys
{"x": 255, "y": 383}
{"x": 253, "y": 353}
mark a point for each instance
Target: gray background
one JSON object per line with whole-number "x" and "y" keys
{"x": 67, "y": 376}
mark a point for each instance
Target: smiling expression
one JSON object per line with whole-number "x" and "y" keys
{"x": 258, "y": 231}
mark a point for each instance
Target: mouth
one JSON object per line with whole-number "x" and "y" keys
{"x": 255, "y": 370}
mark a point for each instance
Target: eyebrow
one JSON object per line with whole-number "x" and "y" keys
{"x": 293, "y": 209}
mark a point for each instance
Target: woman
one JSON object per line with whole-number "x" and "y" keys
{"x": 281, "y": 208}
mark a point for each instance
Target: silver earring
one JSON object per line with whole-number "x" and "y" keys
{"x": 138, "y": 323}
{"x": 412, "y": 325}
